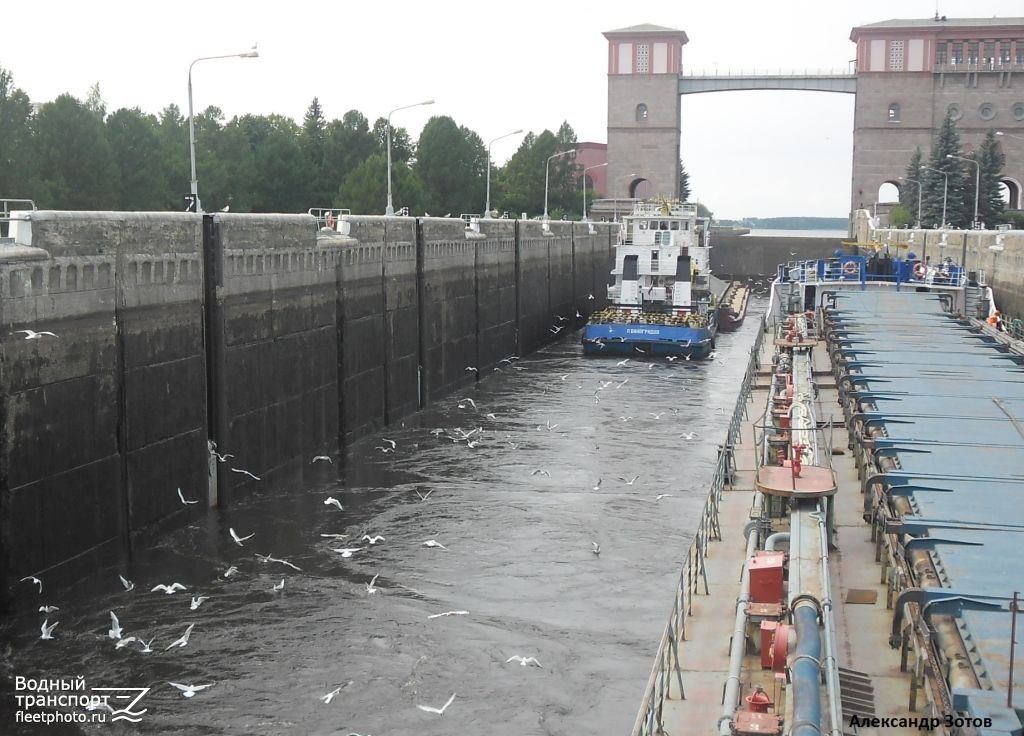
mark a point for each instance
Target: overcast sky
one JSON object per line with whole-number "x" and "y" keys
{"x": 492, "y": 66}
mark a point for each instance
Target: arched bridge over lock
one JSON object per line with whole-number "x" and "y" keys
{"x": 808, "y": 82}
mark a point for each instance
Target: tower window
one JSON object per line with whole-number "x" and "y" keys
{"x": 894, "y": 113}
{"x": 641, "y": 113}
{"x": 896, "y": 56}
{"x": 643, "y": 58}
{"x": 958, "y": 53}
{"x": 941, "y": 54}
{"x": 972, "y": 52}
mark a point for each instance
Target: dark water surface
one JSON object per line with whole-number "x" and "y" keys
{"x": 518, "y": 559}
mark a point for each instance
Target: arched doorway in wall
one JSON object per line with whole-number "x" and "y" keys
{"x": 1010, "y": 190}
{"x": 888, "y": 193}
{"x": 640, "y": 189}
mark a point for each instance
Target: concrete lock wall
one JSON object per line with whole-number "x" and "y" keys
{"x": 274, "y": 340}
{"x": 734, "y": 255}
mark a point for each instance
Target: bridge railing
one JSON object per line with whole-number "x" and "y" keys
{"x": 693, "y": 575}
{"x": 780, "y": 72}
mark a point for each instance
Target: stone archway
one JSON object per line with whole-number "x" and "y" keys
{"x": 640, "y": 189}
{"x": 1014, "y": 201}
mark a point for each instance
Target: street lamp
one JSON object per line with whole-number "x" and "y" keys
{"x": 918, "y": 182}
{"x": 250, "y": 54}
{"x": 977, "y": 182}
{"x": 945, "y": 191}
{"x": 390, "y": 210}
{"x": 487, "y": 207}
{"x": 547, "y": 168}
{"x": 584, "y": 180}
{"x": 1010, "y": 135}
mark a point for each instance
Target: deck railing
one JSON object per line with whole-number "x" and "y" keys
{"x": 693, "y": 575}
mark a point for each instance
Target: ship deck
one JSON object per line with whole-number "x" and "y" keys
{"x": 947, "y": 449}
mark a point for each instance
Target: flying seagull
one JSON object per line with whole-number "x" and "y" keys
{"x": 189, "y": 690}
{"x": 238, "y": 539}
{"x": 330, "y": 696}
{"x": 245, "y": 472}
{"x": 34, "y": 579}
{"x": 523, "y": 660}
{"x": 346, "y": 551}
{"x": 394, "y": 445}
{"x": 424, "y": 496}
{"x": 374, "y": 539}
{"x": 321, "y": 458}
{"x": 597, "y": 548}
{"x": 182, "y": 497}
{"x": 182, "y": 641}
{"x": 115, "y": 627}
{"x": 197, "y": 601}
{"x": 332, "y": 501}
{"x": 230, "y": 571}
{"x": 434, "y": 543}
{"x": 125, "y": 642}
{"x": 598, "y": 486}
{"x": 278, "y": 587}
{"x": 48, "y": 609}
{"x": 631, "y": 481}
{"x": 440, "y": 711}
{"x": 370, "y": 589}
{"x": 662, "y": 495}
{"x": 268, "y": 558}
{"x": 48, "y": 629}
{"x": 541, "y": 472}
{"x": 128, "y": 584}
{"x": 473, "y": 368}
{"x": 33, "y": 335}
{"x": 462, "y": 403}
{"x": 335, "y": 536}
{"x": 146, "y": 646}
{"x": 168, "y": 589}
{"x": 449, "y": 613}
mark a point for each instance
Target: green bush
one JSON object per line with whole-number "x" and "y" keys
{"x": 1015, "y": 218}
{"x": 899, "y": 216}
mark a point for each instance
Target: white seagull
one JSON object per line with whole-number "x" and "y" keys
{"x": 622, "y": 362}
{"x": 370, "y": 589}
{"x": 321, "y": 458}
{"x": 48, "y": 630}
{"x": 125, "y": 642}
{"x": 245, "y": 472}
{"x": 34, "y": 579}
{"x": 466, "y": 401}
{"x": 373, "y": 540}
{"x": 440, "y": 711}
{"x": 189, "y": 690}
{"x": 394, "y": 445}
{"x": 434, "y": 543}
{"x": 662, "y": 495}
{"x": 598, "y": 486}
{"x": 335, "y": 536}
{"x": 658, "y": 415}
{"x": 278, "y": 587}
{"x": 230, "y": 571}
{"x": 449, "y": 613}
{"x": 183, "y": 501}
{"x": 597, "y": 548}
{"x": 115, "y": 627}
{"x": 147, "y": 645}
{"x": 346, "y": 551}
{"x": 269, "y": 558}
{"x": 473, "y": 368}
{"x": 238, "y": 539}
{"x": 48, "y": 609}
{"x": 541, "y": 472}
{"x": 330, "y": 696}
{"x": 424, "y": 496}
{"x": 182, "y": 641}
{"x": 128, "y": 584}
{"x": 33, "y": 335}
{"x": 688, "y": 436}
{"x": 197, "y": 601}
{"x": 523, "y": 660}
{"x": 168, "y": 589}
{"x": 332, "y": 501}
{"x": 631, "y": 481}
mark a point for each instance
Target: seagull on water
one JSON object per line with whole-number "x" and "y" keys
{"x": 197, "y": 601}
{"x": 33, "y": 335}
{"x": 238, "y": 539}
{"x": 656, "y": 415}
{"x": 230, "y": 571}
{"x": 335, "y": 536}
{"x": 663, "y": 495}
{"x": 434, "y": 543}
{"x": 278, "y": 587}
{"x": 47, "y": 629}
{"x": 449, "y": 613}
{"x": 424, "y": 496}
{"x": 183, "y": 501}
{"x": 189, "y": 690}
{"x": 598, "y": 486}
{"x": 631, "y": 481}
{"x": 347, "y": 551}
{"x": 147, "y": 645}
{"x": 115, "y": 627}
{"x": 393, "y": 444}
{"x": 688, "y": 435}
{"x": 168, "y": 589}
{"x": 128, "y": 584}
{"x": 523, "y": 660}
{"x": 182, "y": 641}
{"x": 125, "y": 642}
{"x": 440, "y": 711}
{"x": 268, "y": 558}
{"x": 321, "y": 458}
{"x": 538, "y": 471}
{"x": 491, "y": 415}
{"x": 332, "y": 501}
{"x": 623, "y": 383}
{"x": 463, "y": 402}
{"x": 245, "y": 472}
{"x": 34, "y": 579}
{"x": 597, "y": 548}
{"x": 372, "y": 540}
{"x": 437, "y": 431}
{"x": 330, "y": 696}
{"x": 48, "y": 609}
{"x": 370, "y": 589}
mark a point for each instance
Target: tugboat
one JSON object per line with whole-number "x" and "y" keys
{"x": 664, "y": 299}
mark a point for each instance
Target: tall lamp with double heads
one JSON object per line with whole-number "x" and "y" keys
{"x": 252, "y": 53}
{"x": 584, "y": 180}
{"x": 547, "y": 170}
{"x": 390, "y": 209}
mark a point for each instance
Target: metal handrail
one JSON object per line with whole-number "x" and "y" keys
{"x": 667, "y": 663}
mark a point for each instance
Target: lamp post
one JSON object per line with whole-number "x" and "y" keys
{"x": 977, "y": 182}
{"x": 945, "y": 191}
{"x": 250, "y": 54}
{"x": 547, "y": 169}
{"x": 487, "y": 206}
{"x": 584, "y": 180}
{"x": 918, "y": 182}
{"x": 390, "y": 209}
{"x": 1010, "y": 135}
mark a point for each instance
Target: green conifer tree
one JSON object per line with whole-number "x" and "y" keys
{"x": 991, "y": 161}
{"x": 944, "y": 181}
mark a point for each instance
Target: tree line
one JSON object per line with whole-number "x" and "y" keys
{"x": 951, "y": 181}
{"x": 72, "y": 154}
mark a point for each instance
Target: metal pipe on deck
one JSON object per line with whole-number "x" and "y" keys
{"x": 831, "y": 665}
{"x": 774, "y": 539}
{"x": 739, "y": 635}
{"x": 805, "y": 670}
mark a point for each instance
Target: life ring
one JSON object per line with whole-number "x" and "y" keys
{"x": 851, "y": 268}
{"x": 330, "y": 220}
{"x": 920, "y": 270}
